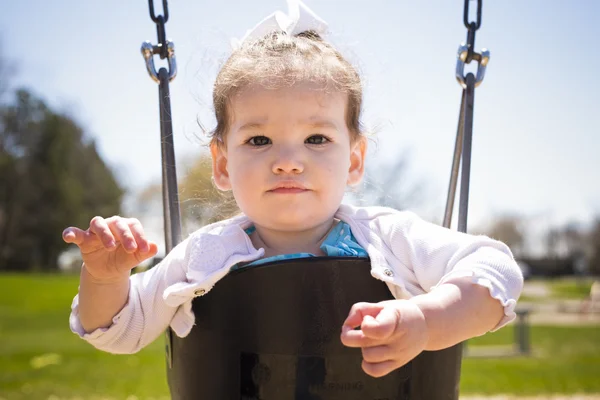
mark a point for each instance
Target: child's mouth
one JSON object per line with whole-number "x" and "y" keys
{"x": 288, "y": 187}
{"x": 290, "y": 190}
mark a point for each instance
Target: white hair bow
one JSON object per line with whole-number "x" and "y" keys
{"x": 299, "y": 19}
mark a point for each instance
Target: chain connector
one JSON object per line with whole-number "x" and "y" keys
{"x": 165, "y": 11}
{"x": 475, "y": 24}
{"x": 462, "y": 59}
{"x": 148, "y": 51}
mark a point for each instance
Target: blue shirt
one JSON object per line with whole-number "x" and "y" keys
{"x": 340, "y": 242}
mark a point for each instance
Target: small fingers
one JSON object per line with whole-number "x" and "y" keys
{"x": 359, "y": 311}
{"x": 384, "y": 325}
{"x": 73, "y": 235}
{"x": 122, "y": 232}
{"x": 356, "y": 338}
{"x": 128, "y": 232}
{"x": 376, "y": 354}
{"x": 99, "y": 227}
{"x": 378, "y": 322}
{"x": 139, "y": 236}
{"x": 380, "y": 369}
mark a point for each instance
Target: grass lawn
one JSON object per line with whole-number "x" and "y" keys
{"x": 570, "y": 288}
{"x": 564, "y": 359}
{"x": 559, "y": 289}
{"x": 41, "y": 359}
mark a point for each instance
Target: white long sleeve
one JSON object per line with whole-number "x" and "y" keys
{"x": 411, "y": 255}
{"x": 436, "y": 255}
{"x": 146, "y": 314}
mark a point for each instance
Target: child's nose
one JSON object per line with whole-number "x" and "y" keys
{"x": 288, "y": 161}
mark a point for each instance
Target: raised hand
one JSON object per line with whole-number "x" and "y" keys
{"x": 391, "y": 334}
{"x": 111, "y": 247}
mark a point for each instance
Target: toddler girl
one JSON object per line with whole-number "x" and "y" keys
{"x": 288, "y": 142}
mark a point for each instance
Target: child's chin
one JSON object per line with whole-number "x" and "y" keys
{"x": 295, "y": 221}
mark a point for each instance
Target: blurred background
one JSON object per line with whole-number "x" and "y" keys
{"x": 79, "y": 137}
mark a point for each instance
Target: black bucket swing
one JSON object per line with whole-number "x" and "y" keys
{"x": 272, "y": 332}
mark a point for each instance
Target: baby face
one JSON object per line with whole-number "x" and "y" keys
{"x": 288, "y": 155}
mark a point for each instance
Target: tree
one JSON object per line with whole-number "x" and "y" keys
{"x": 200, "y": 201}
{"x": 387, "y": 184}
{"x": 594, "y": 265}
{"x": 51, "y": 177}
{"x": 509, "y": 229}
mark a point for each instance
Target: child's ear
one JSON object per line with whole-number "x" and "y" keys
{"x": 219, "y": 166}
{"x": 358, "y": 152}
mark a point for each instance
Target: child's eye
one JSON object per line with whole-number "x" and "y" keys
{"x": 259, "y": 141}
{"x": 317, "y": 139}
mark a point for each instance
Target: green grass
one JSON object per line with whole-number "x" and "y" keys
{"x": 564, "y": 359}
{"x": 40, "y": 357}
{"x": 570, "y": 288}
{"x": 561, "y": 289}
{"x": 531, "y": 299}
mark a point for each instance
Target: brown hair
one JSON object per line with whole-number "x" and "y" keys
{"x": 278, "y": 59}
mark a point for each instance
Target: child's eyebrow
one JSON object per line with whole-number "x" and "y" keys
{"x": 251, "y": 125}
{"x": 322, "y": 124}
{"x": 310, "y": 122}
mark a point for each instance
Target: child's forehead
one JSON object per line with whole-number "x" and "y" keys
{"x": 278, "y": 88}
{"x": 315, "y": 121}
{"x": 304, "y": 101}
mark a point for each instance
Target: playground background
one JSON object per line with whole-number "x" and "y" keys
{"x": 534, "y": 156}
{"x": 40, "y": 359}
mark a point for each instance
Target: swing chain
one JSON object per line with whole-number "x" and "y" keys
{"x": 172, "y": 217}
{"x": 164, "y": 48}
{"x": 472, "y": 28}
{"x": 165, "y": 11}
{"x": 464, "y": 132}
{"x": 466, "y": 52}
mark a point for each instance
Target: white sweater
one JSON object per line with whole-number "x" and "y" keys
{"x": 410, "y": 255}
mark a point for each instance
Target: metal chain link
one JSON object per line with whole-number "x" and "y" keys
{"x": 464, "y": 133}
{"x": 466, "y": 15}
{"x": 165, "y": 10}
{"x": 160, "y": 27}
{"x": 162, "y": 37}
{"x": 172, "y": 216}
{"x": 165, "y": 49}
{"x": 466, "y": 51}
{"x": 472, "y": 28}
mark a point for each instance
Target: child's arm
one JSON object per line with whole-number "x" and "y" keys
{"x": 462, "y": 286}
{"x": 393, "y": 332}
{"x": 458, "y": 310}
{"x": 113, "y": 311}
{"x": 428, "y": 256}
{"x": 100, "y": 301}
{"x": 110, "y": 248}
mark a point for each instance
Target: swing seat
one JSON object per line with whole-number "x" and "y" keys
{"x": 272, "y": 332}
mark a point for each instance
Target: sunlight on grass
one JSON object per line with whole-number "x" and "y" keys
{"x": 563, "y": 360}
{"x": 571, "y": 288}
{"x": 41, "y": 359}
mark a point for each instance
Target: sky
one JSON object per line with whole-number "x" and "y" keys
{"x": 536, "y": 131}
